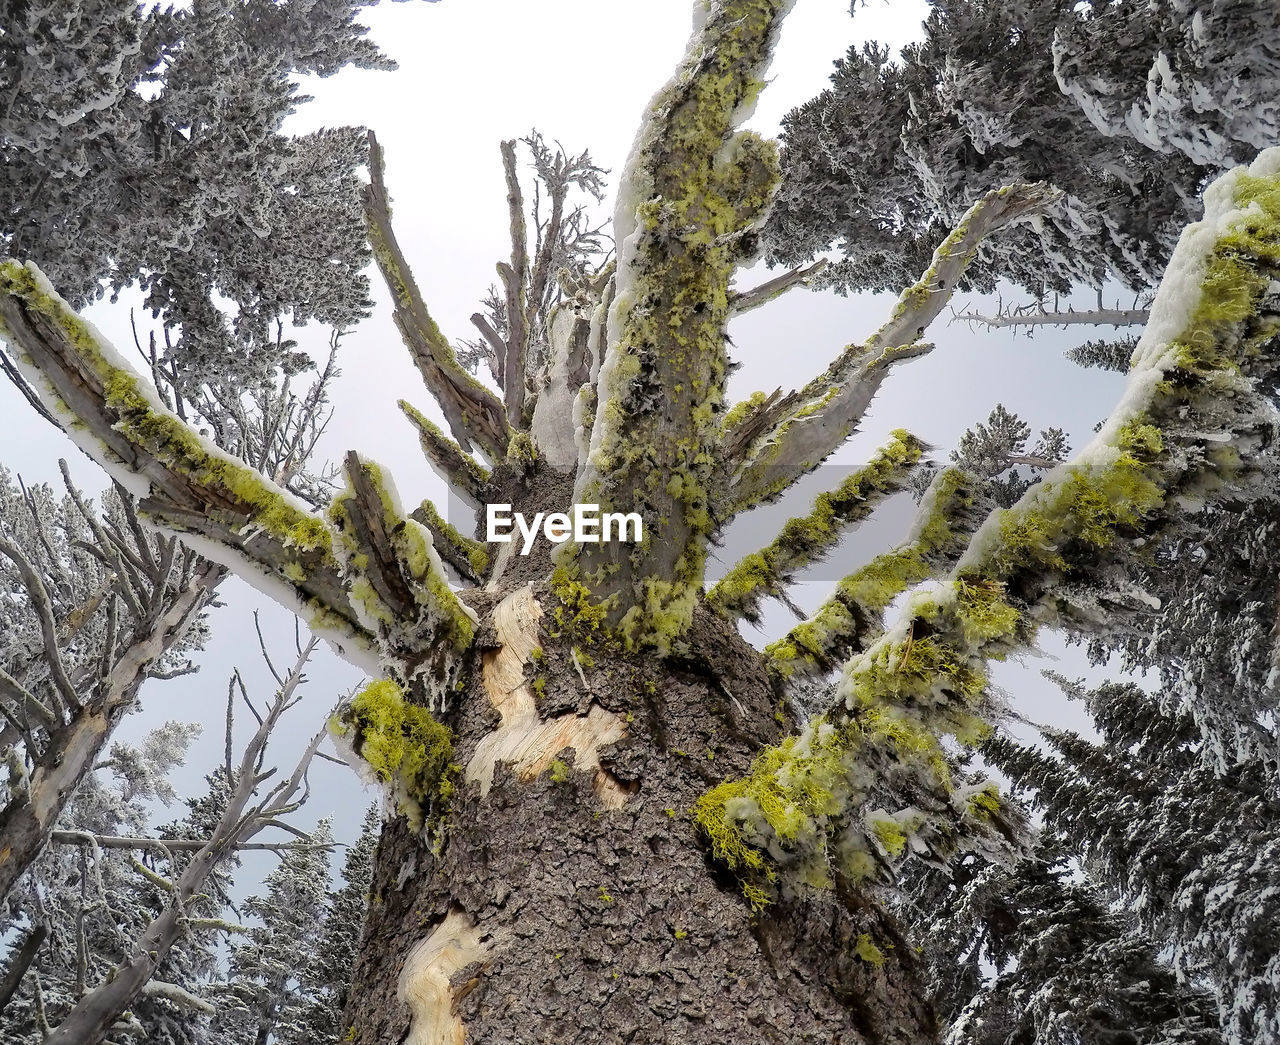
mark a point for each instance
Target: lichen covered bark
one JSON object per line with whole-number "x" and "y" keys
{"x": 692, "y": 194}
{"x": 853, "y": 614}
{"x": 223, "y": 508}
{"x": 793, "y": 434}
{"x": 396, "y": 582}
{"x": 582, "y": 920}
{"x": 808, "y": 538}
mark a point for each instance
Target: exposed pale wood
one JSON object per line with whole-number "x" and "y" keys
{"x": 524, "y": 738}
{"x": 426, "y": 980}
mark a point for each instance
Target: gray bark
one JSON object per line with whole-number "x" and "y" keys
{"x": 577, "y": 904}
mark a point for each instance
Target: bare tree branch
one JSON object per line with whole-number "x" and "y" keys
{"x": 694, "y": 191}
{"x": 175, "y": 845}
{"x": 21, "y": 958}
{"x": 514, "y": 277}
{"x": 852, "y": 615}
{"x": 771, "y": 290}
{"x": 41, "y": 605}
{"x": 473, "y": 412}
{"x": 96, "y": 1012}
{"x": 29, "y": 817}
{"x": 1116, "y": 317}
{"x": 460, "y": 470}
{"x": 798, "y": 431}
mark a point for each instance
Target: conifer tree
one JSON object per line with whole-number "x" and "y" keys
{"x": 328, "y": 972}
{"x": 885, "y": 161}
{"x": 1191, "y": 854}
{"x": 1067, "y": 969}
{"x": 144, "y": 144}
{"x": 1186, "y": 79}
{"x": 266, "y": 995}
{"x": 1105, "y": 355}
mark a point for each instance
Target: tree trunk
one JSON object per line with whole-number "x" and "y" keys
{"x": 572, "y": 899}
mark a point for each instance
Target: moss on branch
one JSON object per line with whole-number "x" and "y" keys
{"x": 802, "y": 813}
{"x": 406, "y": 749}
{"x": 806, "y": 539}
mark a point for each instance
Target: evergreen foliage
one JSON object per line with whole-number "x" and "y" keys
{"x": 1028, "y": 953}
{"x": 1186, "y": 78}
{"x": 1105, "y": 355}
{"x": 1148, "y": 912}
{"x": 1190, "y": 854}
{"x": 996, "y": 451}
{"x": 885, "y": 161}
{"x": 144, "y": 144}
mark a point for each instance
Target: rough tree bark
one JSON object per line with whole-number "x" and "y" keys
{"x": 572, "y": 899}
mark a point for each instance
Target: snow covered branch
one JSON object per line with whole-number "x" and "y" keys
{"x": 223, "y": 508}
{"x": 1195, "y": 407}
{"x": 246, "y": 814}
{"x": 807, "y": 539}
{"x": 473, "y": 412}
{"x": 772, "y": 289}
{"x": 794, "y": 433}
{"x": 1037, "y": 317}
{"x": 852, "y": 616}
{"x": 397, "y": 583}
{"x": 466, "y": 476}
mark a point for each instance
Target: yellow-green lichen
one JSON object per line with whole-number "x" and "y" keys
{"x": 928, "y": 674}
{"x": 806, "y": 539}
{"x": 166, "y": 438}
{"x": 474, "y": 552}
{"x": 415, "y": 563}
{"x": 407, "y": 749}
{"x": 867, "y": 950}
{"x": 737, "y": 413}
{"x": 702, "y": 189}
{"x": 853, "y": 611}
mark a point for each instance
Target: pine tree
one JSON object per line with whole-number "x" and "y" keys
{"x": 1196, "y": 80}
{"x": 144, "y": 144}
{"x": 885, "y": 161}
{"x": 1192, "y": 855}
{"x": 328, "y": 972}
{"x": 1200, "y": 615}
{"x": 1067, "y": 970}
{"x": 997, "y": 450}
{"x": 265, "y": 998}
{"x": 1105, "y": 355}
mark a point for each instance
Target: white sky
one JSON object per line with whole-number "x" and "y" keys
{"x": 473, "y": 72}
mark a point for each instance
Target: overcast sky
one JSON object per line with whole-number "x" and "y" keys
{"x": 473, "y": 72}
